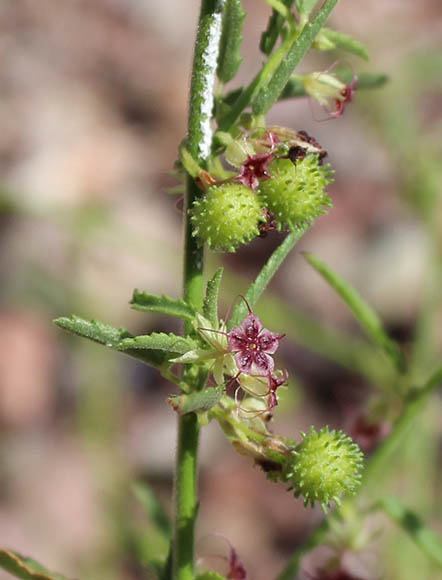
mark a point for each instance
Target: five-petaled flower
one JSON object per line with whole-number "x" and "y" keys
{"x": 252, "y": 345}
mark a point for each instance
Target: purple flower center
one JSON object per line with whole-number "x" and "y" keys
{"x": 253, "y": 169}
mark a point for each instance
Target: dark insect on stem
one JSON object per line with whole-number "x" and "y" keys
{"x": 266, "y": 465}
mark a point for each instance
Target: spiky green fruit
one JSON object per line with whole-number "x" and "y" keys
{"x": 226, "y": 217}
{"x": 325, "y": 465}
{"x": 296, "y": 192}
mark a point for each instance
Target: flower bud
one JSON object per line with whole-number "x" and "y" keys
{"x": 323, "y": 87}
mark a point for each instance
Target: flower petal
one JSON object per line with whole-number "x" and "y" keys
{"x": 251, "y": 326}
{"x": 244, "y": 362}
{"x": 268, "y": 341}
{"x": 262, "y": 364}
{"x": 236, "y": 340}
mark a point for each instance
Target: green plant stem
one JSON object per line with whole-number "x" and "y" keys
{"x": 199, "y": 142}
{"x": 185, "y": 496}
{"x": 266, "y": 274}
{"x": 269, "y": 83}
{"x": 261, "y": 79}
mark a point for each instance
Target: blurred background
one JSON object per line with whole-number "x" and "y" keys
{"x": 93, "y": 105}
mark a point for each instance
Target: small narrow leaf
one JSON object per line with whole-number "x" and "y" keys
{"x": 196, "y": 401}
{"x": 274, "y": 28}
{"x": 345, "y": 42}
{"x": 366, "y": 316}
{"x": 152, "y": 507}
{"x": 269, "y": 94}
{"x": 429, "y": 542}
{"x": 171, "y": 343}
{"x": 366, "y": 80}
{"x": 210, "y": 303}
{"x": 150, "y": 303}
{"x": 304, "y": 7}
{"x": 111, "y": 337}
{"x": 231, "y": 38}
{"x": 25, "y": 568}
{"x": 188, "y": 162}
{"x": 271, "y": 33}
{"x": 266, "y": 274}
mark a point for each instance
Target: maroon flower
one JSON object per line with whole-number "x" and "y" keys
{"x": 256, "y": 167}
{"x": 274, "y": 383}
{"x": 347, "y": 94}
{"x": 252, "y": 346}
{"x": 253, "y": 169}
{"x": 237, "y": 570}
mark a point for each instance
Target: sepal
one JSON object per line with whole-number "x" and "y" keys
{"x": 198, "y": 401}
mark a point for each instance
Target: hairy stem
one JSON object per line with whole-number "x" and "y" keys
{"x": 199, "y": 141}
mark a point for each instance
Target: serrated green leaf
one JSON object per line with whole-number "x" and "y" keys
{"x": 266, "y": 274}
{"x": 196, "y": 401}
{"x": 366, "y": 316}
{"x": 345, "y": 42}
{"x": 210, "y": 576}
{"x": 152, "y": 507}
{"x": 93, "y": 330}
{"x": 26, "y": 568}
{"x": 109, "y": 336}
{"x": 172, "y": 344}
{"x": 270, "y": 93}
{"x": 210, "y": 303}
{"x": 231, "y": 38}
{"x": 150, "y": 303}
{"x": 429, "y": 542}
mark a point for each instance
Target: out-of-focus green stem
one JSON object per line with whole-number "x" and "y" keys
{"x": 412, "y": 407}
{"x": 199, "y": 142}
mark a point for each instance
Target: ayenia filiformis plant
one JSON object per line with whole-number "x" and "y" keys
{"x": 245, "y": 179}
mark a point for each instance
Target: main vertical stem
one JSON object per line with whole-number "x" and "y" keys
{"x": 199, "y": 141}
